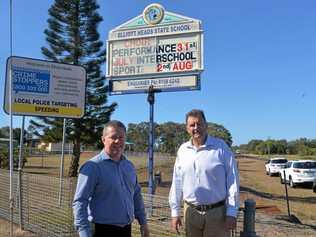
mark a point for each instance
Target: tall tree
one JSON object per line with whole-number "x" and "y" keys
{"x": 138, "y": 135}
{"x": 170, "y": 136}
{"x": 220, "y": 131}
{"x": 73, "y": 38}
{"x": 16, "y": 132}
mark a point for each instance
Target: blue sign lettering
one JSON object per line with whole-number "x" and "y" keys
{"x": 30, "y": 80}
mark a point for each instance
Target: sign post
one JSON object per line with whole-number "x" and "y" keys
{"x": 151, "y": 138}
{"x": 157, "y": 51}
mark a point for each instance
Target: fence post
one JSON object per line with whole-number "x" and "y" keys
{"x": 72, "y": 183}
{"x": 249, "y": 219}
{"x": 20, "y": 198}
{"x": 29, "y": 218}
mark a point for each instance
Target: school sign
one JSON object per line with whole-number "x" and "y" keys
{"x": 159, "y": 49}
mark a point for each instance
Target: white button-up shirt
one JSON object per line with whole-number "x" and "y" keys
{"x": 205, "y": 175}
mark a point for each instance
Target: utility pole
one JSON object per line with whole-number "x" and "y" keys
{"x": 268, "y": 144}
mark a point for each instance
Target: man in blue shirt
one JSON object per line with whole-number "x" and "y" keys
{"x": 205, "y": 176}
{"x": 108, "y": 194}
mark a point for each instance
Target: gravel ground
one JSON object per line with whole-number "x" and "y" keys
{"x": 270, "y": 220}
{"x": 266, "y": 225}
{"x": 276, "y": 225}
{"x": 5, "y": 230}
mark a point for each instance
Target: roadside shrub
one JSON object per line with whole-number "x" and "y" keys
{"x": 305, "y": 151}
{"x": 4, "y": 158}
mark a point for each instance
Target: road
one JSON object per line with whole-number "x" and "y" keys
{"x": 268, "y": 191}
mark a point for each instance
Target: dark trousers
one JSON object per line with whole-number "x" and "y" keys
{"x": 103, "y": 230}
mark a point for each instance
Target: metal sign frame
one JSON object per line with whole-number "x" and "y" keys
{"x": 160, "y": 84}
{"x": 169, "y": 51}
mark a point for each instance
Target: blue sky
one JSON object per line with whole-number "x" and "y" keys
{"x": 259, "y": 60}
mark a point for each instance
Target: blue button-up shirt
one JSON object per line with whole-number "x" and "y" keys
{"x": 107, "y": 193}
{"x": 205, "y": 175}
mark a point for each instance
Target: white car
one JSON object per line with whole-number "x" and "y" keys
{"x": 299, "y": 172}
{"x": 274, "y": 165}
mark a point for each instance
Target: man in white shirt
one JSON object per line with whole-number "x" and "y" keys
{"x": 205, "y": 176}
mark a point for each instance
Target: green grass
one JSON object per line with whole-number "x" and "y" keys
{"x": 252, "y": 175}
{"x": 289, "y": 157}
{"x": 50, "y": 165}
{"x": 298, "y": 157}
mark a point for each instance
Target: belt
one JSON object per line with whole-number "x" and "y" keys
{"x": 206, "y": 207}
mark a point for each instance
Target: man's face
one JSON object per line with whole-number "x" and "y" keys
{"x": 196, "y": 127}
{"x": 114, "y": 142}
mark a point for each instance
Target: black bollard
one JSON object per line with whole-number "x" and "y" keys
{"x": 249, "y": 219}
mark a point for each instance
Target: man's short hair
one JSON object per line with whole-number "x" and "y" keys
{"x": 114, "y": 124}
{"x": 195, "y": 113}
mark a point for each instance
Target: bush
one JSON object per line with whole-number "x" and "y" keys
{"x": 305, "y": 151}
{"x": 4, "y": 158}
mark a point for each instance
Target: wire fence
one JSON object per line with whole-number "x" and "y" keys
{"x": 31, "y": 152}
{"x": 46, "y": 213}
{"x": 42, "y": 213}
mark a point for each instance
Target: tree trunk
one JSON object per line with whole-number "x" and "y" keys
{"x": 75, "y": 158}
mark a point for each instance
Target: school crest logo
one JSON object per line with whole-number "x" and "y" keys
{"x": 153, "y": 14}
